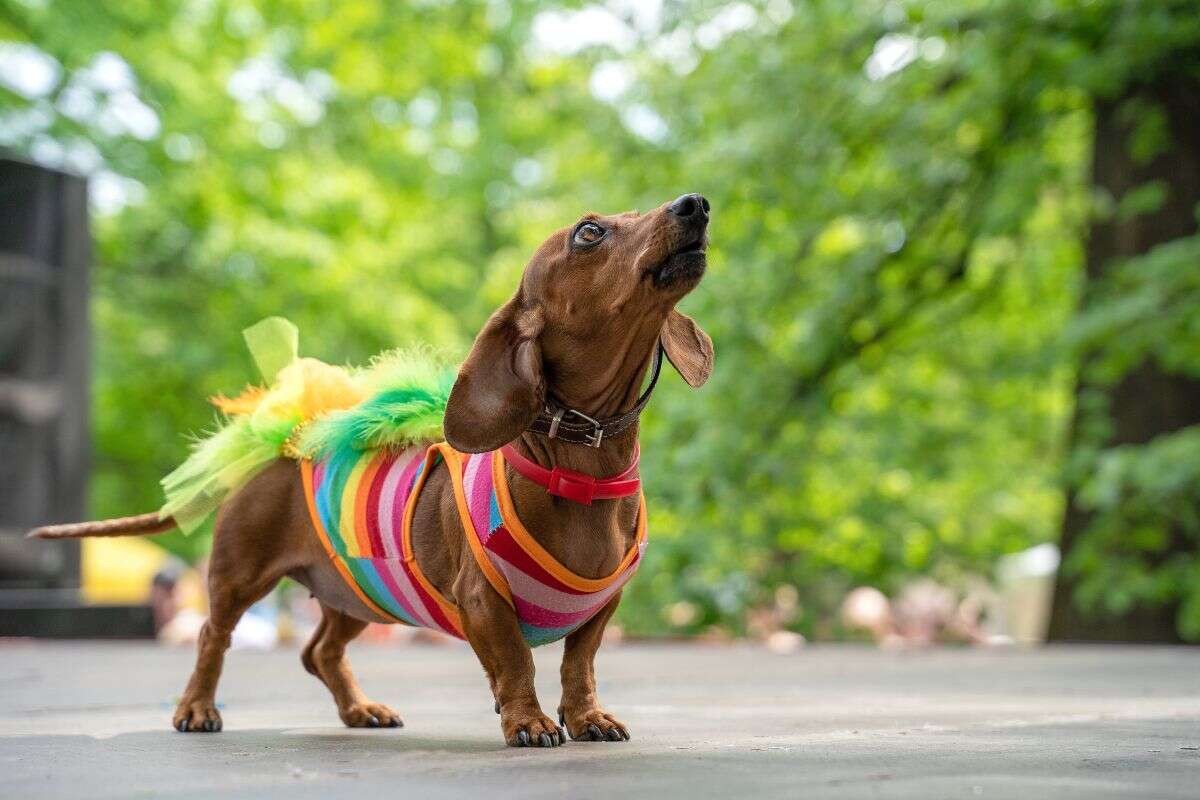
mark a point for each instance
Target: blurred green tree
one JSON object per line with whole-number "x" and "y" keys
{"x": 901, "y": 193}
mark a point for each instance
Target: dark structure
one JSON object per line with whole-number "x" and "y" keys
{"x": 1150, "y": 400}
{"x": 45, "y": 253}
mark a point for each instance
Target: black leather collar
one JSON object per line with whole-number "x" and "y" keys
{"x": 568, "y": 425}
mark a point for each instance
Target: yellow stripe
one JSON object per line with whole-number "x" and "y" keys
{"x": 535, "y": 551}
{"x": 346, "y": 517}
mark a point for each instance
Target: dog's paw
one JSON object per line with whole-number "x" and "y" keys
{"x": 531, "y": 730}
{"x": 370, "y": 715}
{"x": 196, "y": 717}
{"x": 593, "y": 725}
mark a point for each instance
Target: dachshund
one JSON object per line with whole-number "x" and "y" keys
{"x": 554, "y": 378}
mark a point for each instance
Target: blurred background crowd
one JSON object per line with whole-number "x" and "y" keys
{"x": 954, "y": 280}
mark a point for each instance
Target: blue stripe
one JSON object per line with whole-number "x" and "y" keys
{"x": 379, "y": 590}
{"x": 536, "y": 637}
{"x": 321, "y": 500}
{"x": 328, "y": 498}
{"x": 494, "y": 518}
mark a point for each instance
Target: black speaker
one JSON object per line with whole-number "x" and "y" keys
{"x": 45, "y": 348}
{"x": 45, "y": 253}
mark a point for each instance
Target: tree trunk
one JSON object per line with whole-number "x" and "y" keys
{"x": 1147, "y": 402}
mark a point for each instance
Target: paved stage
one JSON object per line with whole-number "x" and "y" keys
{"x": 93, "y": 720}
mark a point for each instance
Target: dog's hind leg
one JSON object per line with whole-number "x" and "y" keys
{"x": 259, "y": 538}
{"x": 325, "y": 657}
{"x": 306, "y": 655}
{"x": 228, "y": 600}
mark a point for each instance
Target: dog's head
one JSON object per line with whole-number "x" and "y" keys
{"x": 594, "y": 301}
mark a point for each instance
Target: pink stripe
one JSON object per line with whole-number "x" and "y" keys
{"x": 470, "y": 473}
{"x": 532, "y": 614}
{"x": 401, "y": 586}
{"x": 536, "y": 592}
{"x": 389, "y": 527}
{"x": 400, "y": 499}
{"x": 436, "y": 613}
{"x": 503, "y": 544}
{"x": 481, "y": 495}
{"x": 391, "y": 578}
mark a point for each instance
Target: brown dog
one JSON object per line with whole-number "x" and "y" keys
{"x": 594, "y": 303}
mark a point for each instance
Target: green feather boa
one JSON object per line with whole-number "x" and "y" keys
{"x": 309, "y": 410}
{"x": 406, "y": 403}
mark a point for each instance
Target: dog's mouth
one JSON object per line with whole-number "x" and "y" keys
{"x": 683, "y": 265}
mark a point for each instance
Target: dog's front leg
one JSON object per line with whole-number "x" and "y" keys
{"x": 580, "y": 709}
{"x": 491, "y": 627}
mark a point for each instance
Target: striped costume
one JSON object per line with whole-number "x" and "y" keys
{"x": 362, "y": 506}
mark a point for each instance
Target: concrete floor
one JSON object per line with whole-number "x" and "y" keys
{"x": 86, "y": 719}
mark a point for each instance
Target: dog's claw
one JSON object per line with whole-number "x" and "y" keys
{"x": 497, "y": 706}
{"x": 370, "y": 715}
{"x": 523, "y": 739}
{"x": 196, "y": 717}
{"x": 544, "y": 740}
{"x": 595, "y": 725}
{"x": 562, "y": 735}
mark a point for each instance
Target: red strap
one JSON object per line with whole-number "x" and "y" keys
{"x": 575, "y": 486}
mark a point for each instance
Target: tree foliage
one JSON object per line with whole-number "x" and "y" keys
{"x": 901, "y": 198}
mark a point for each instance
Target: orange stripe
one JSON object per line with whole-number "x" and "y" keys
{"x": 498, "y": 581}
{"x": 306, "y": 468}
{"x": 360, "y": 506}
{"x": 406, "y": 535}
{"x": 539, "y": 554}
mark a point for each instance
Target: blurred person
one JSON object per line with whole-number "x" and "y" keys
{"x": 164, "y": 603}
{"x": 924, "y": 613}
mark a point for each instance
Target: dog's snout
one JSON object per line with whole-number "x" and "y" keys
{"x": 691, "y": 207}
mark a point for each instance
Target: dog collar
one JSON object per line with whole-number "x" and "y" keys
{"x": 576, "y": 486}
{"x": 569, "y": 425}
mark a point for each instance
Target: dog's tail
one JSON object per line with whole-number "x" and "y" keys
{"x": 141, "y": 525}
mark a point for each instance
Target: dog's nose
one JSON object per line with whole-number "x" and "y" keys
{"x": 691, "y": 207}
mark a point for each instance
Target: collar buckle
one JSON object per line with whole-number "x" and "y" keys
{"x": 592, "y": 439}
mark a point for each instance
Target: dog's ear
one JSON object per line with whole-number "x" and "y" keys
{"x": 688, "y": 348}
{"x": 500, "y": 387}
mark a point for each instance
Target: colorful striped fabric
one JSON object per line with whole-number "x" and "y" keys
{"x": 362, "y": 507}
{"x": 550, "y": 600}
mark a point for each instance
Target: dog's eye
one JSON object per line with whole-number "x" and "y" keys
{"x": 588, "y": 233}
